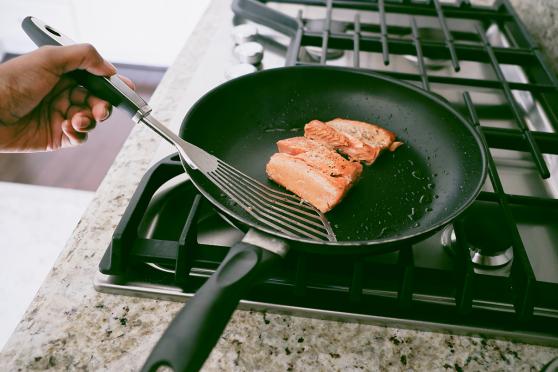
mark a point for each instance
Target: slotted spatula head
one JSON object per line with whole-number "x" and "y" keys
{"x": 281, "y": 211}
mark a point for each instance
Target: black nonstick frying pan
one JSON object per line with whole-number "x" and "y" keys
{"x": 403, "y": 197}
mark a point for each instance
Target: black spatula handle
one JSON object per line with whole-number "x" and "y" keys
{"x": 195, "y": 330}
{"x": 111, "y": 89}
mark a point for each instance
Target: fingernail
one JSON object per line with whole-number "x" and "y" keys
{"x": 84, "y": 122}
{"x": 106, "y": 114}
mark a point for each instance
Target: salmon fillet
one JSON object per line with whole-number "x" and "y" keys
{"x": 321, "y": 190}
{"x": 371, "y": 134}
{"x": 320, "y": 157}
{"x": 358, "y": 140}
{"x": 298, "y": 145}
{"x": 329, "y": 136}
{"x": 311, "y": 168}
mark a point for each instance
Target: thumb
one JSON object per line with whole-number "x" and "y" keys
{"x": 62, "y": 59}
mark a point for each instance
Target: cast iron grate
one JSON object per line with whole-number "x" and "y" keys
{"x": 522, "y": 52}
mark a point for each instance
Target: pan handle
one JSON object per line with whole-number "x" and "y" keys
{"x": 111, "y": 89}
{"x": 195, "y": 330}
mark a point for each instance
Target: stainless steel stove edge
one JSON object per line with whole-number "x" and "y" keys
{"x": 115, "y": 285}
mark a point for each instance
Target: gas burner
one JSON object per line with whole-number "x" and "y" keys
{"x": 479, "y": 256}
{"x": 433, "y": 64}
{"x": 315, "y": 53}
{"x": 485, "y": 234}
{"x": 496, "y": 259}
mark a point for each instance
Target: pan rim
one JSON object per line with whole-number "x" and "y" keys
{"x": 349, "y": 243}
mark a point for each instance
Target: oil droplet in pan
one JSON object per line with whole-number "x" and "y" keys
{"x": 382, "y": 232}
{"x": 412, "y": 214}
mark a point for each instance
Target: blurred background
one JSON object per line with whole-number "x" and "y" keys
{"x": 43, "y": 195}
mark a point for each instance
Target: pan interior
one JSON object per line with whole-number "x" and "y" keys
{"x": 438, "y": 170}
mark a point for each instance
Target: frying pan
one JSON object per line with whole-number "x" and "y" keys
{"x": 402, "y": 198}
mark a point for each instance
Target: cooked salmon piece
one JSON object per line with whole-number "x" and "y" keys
{"x": 298, "y": 145}
{"x": 358, "y": 140}
{"x": 328, "y": 135}
{"x": 311, "y": 168}
{"x": 394, "y": 146}
{"x": 368, "y": 140}
{"x": 351, "y": 146}
{"x": 321, "y": 157}
{"x": 320, "y": 189}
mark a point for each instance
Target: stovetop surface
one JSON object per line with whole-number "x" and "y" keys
{"x": 417, "y": 288}
{"x": 170, "y": 240}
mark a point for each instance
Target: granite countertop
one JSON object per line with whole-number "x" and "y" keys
{"x": 541, "y": 19}
{"x": 70, "y": 326}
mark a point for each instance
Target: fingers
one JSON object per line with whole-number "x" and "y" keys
{"x": 76, "y": 57}
{"x": 81, "y": 119}
{"x": 100, "y": 109}
{"x": 71, "y": 136}
{"x": 76, "y": 122}
{"x": 128, "y": 82}
{"x": 80, "y": 97}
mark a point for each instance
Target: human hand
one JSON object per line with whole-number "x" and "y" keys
{"x": 42, "y": 109}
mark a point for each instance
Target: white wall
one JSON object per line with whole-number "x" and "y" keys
{"x": 127, "y": 31}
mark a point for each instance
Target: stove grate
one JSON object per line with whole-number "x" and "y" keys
{"x": 522, "y": 52}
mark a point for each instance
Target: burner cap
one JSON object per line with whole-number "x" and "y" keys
{"x": 496, "y": 259}
{"x": 486, "y": 236}
{"x": 244, "y": 33}
{"x": 430, "y": 34}
{"x": 317, "y": 25}
{"x": 478, "y": 256}
{"x": 315, "y": 53}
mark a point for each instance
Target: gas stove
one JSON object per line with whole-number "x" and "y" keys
{"x": 493, "y": 271}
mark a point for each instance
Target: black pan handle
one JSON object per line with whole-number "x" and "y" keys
{"x": 195, "y": 330}
{"x": 111, "y": 89}
{"x": 262, "y": 14}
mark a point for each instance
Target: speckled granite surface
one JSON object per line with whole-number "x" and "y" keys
{"x": 541, "y": 19}
{"x": 69, "y": 326}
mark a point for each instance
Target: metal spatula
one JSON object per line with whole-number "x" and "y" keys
{"x": 278, "y": 210}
